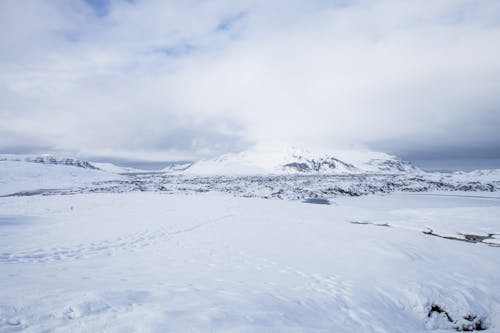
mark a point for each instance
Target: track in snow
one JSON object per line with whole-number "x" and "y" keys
{"x": 132, "y": 242}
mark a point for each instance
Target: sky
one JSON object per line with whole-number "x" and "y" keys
{"x": 161, "y": 80}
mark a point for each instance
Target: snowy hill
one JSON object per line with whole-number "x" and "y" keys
{"x": 176, "y": 167}
{"x": 110, "y": 167}
{"x": 301, "y": 161}
{"x": 254, "y": 162}
{"x": 103, "y": 166}
{"x": 113, "y": 168}
{"x": 488, "y": 175}
{"x": 22, "y": 174}
{"x": 48, "y": 159}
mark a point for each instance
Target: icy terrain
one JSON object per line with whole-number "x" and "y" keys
{"x": 84, "y": 250}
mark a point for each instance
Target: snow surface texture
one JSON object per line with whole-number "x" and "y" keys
{"x": 150, "y": 262}
{"x": 157, "y": 253}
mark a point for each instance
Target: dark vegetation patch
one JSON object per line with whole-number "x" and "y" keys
{"x": 468, "y": 323}
{"x": 437, "y": 309}
{"x": 469, "y": 238}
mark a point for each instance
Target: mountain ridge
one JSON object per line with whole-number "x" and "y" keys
{"x": 49, "y": 159}
{"x": 301, "y": 161}
{"x": 256, "y": 161}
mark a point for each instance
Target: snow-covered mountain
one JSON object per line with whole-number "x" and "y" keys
{"x": 48, "y": 159}
{"x": 113, "y": 168}
{"x": 110, "y": 167}
{"x": 301, "y": 161}
{"x": 177, "y": 167}
{"x": 254, "y": 162}
{"x": 19, "y": 175}
{"x": 103, "y": 166}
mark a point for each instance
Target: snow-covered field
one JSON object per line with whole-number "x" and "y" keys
{"x": 156, "y": 253}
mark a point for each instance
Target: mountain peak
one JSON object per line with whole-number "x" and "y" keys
{"x": 294, "y": 160}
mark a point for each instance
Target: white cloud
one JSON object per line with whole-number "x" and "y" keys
{"x": 162, "y": 78}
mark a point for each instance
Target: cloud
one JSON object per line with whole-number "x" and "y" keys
{"x": 194, "y": 78}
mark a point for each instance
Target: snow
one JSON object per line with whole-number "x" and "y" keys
{"x": 479, "y": 175}
{"x": 110, "y": 167}
{"x": 164, "y": 253}
{"x": 274, "y": 160}
{"x": 211, "y": 262}
{"x": 257, "y": 161}
{"x": 177, "y": 167}
{"x": 47, "y": 159}
{"x": 18, "y": 176}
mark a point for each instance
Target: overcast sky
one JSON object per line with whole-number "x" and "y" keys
{"x": 167, "y": 80}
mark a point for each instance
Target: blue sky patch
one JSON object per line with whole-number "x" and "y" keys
{"x": 100, "y": 7}
{"x": 179, "y": 50}
{"x": 229, "y": 22}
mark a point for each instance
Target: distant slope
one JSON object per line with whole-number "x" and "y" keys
{"x": 48, "y": 159}
{"x": 104, "y": 166}
{"x": 176, "y": 167}
{"x": 20, "y": 176}
{"x": 110, "y": 167}
{"x": 301, "y": 161}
